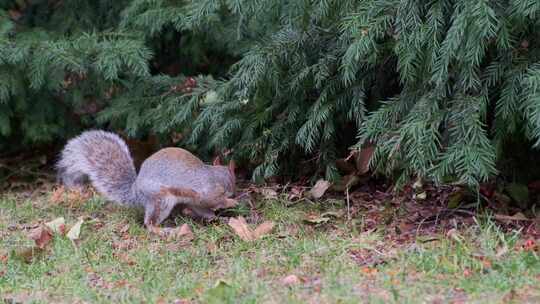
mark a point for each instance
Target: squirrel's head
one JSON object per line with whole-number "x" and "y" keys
{"x": 226, "y": 175}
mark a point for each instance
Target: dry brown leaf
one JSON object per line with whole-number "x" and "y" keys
{"x": 291, "y": 280}
{"x": 125, "y": 258}
{"x": 263, "y": 229}
{"x": 295, "y": 193}
{"x": 57, "y": 225}
{"x": 179, "y": 233}
{"x": 57, "y": 195}
{"x": 241, "y": 228}
{"x": 123, "y": 229}
{"x": 320, "y": 188}
{"x": 516, "y": 217}
{"x": 362, "y": 159}
{"x": 243, "y": 231}
{"x": 184, "y": 232}
{"x": 72, "y": 197}
{"x": 42, "y": 235}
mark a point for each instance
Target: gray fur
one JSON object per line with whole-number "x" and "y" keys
{"x": 104, "y": 159}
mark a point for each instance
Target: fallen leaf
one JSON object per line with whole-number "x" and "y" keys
{"x": 487, "y": 264}
{"x": 420, "y": 196}
{"x": 179, "y": 233}
{"x": 370, "y": 270}
{"x": 57, "y": 225}
{"x": 269, "y": 193}
{"x": 75, "y": 231}
{"x": 454, "y": 234}
{"x": 417, "y": 184}
{"x": 123, "y": 229}
{"x": 516, "y": 217}
{"x": 126, "y": 244}
{"x": 42, "y": 235}
{"x": 183, "y": 232}
{"x": 120, "y": 283}
{"x": 57, "y": 195}
{"x": 241, "y": 228}
{"x": 243, "y": 231}
{"x": 363, "y": 158}
{"x": 316, "y": 219}
{"x": 334, "y": 214}
{"x": 263, "y": 229}
{"x": 291, "y": 280}
{"x": 295, "y": 193}
{"x": 320, "y": 188}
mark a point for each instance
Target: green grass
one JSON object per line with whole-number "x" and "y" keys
{"x": 480, "y": 265}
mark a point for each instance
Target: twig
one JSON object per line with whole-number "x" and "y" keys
{"x": 348, "y": 205}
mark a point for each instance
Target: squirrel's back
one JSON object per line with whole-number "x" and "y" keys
{"x": 103, "y": 158}
{"x": 176, "y": 167}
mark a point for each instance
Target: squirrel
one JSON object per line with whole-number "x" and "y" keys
{"x": 169, "y": 177}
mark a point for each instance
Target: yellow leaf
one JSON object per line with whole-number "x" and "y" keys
{"x": 75, "y": 231}
{"x": 57, "y": 225}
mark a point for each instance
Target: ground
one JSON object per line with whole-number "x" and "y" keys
{"x": 309, "y": 257}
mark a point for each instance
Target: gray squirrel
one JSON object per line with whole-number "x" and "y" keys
{"x": 169, "y": 177}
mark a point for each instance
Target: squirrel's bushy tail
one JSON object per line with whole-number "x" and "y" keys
{"x": 103, "y": 158}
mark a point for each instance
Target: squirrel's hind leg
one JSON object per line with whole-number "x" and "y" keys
{"x": 158, "y": 210}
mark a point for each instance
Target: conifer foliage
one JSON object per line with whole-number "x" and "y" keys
{"x": 437, "y": 86}
{"x": 56, "y": 55}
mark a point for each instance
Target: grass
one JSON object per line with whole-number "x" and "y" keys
{"x": 336, "y": 262}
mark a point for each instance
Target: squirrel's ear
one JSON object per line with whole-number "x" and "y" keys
{"x": 232, "y": 166}
{"x": 217, "y": 161}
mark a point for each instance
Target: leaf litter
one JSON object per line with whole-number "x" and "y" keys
{"x": 242, "y": 230}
